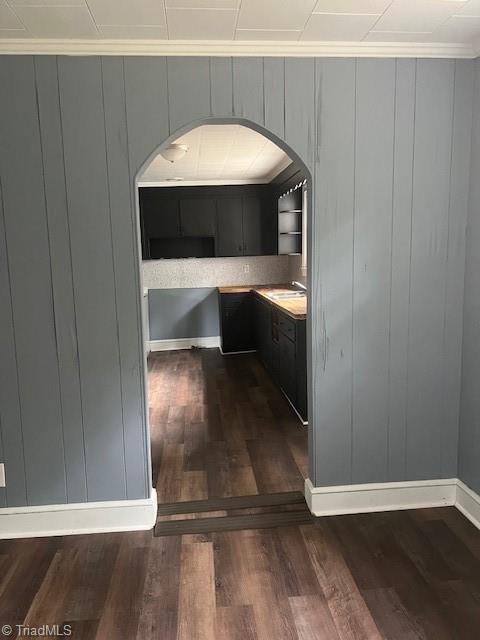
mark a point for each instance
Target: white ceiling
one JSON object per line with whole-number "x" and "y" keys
{"x": 220, "y": 154}
{"x": 452, "y": 22}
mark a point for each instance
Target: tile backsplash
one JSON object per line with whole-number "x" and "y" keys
{"x": 215, "y": 272}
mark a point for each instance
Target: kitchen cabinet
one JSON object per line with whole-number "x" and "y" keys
{"x": 197, "y": 217}
{"x": 230, "y": 227}
{"x": 238, "y": 220}
{"x": 281, "y": 344}
{"x": 236, "y": 322}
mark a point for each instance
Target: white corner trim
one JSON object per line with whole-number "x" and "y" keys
{"x": 73, "y": 519}
{"x": 468, "y": 503}
{"x": 227, "y": 48}
{"x": 385, "y": 496}
{"x": 184, "y": 343}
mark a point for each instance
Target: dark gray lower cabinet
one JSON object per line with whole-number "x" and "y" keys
{"x": 281, "y": 346}
{"x": 236, "y": 322}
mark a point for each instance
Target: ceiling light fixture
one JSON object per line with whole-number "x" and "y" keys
{"x": 174, "y": 152}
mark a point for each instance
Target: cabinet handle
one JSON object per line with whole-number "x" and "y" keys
{"x": 240, "y": 248}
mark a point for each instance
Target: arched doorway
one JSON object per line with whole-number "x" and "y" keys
{"x": 304, "y": 185}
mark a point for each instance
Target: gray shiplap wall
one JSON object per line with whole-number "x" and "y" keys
{"x": 183, "y": 313}
{"x": 469, "y": 449}
{"x": 386, "y": 143}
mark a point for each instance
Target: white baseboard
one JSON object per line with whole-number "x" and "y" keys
{"x": 73, "y": 519}
{"x": 184, "y": 343}
{"x": 468, "y": 503}
{"x": 393, "y": 496}
{"x": 387, "y": 496}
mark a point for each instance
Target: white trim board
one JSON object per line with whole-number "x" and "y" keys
{"x": 31, "y": 46}
{"x": 184, "y": 343}
{"x": 393, "y": 496}
{"x": 74, "y": 519}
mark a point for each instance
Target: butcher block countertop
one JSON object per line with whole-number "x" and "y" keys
{"x": 296, "y": 308}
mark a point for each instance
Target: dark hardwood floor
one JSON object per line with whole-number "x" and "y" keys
{"x": 402, "y": 576}
{"x": 226, "y": 430}
{"x": 220, "y": 427}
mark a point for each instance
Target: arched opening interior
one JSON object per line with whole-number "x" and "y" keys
{"x": 223, "y": 210}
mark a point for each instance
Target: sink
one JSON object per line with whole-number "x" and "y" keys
{"x": 287, "y": 295}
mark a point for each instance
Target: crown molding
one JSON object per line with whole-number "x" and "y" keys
{"x": 236, "y": 48}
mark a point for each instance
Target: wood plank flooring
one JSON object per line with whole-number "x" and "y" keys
{"x": 402, "y": 576}
{"x": 221, "y": 428}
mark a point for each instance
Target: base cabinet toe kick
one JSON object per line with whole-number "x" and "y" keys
{"x": 250, "y": 322}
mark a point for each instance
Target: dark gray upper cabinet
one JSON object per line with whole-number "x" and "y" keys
{"x": 197, "y": 216}
{"x": 229, "y": 227}
{"x": 252, "y": 226}
{"x": 160, "y": 217}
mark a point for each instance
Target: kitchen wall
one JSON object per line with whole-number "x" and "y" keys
{"x": 387, "y": 142}
{"x": 469, "y": 449}
{"x": 214, "y": 272}
{"x": 183, "y": 313}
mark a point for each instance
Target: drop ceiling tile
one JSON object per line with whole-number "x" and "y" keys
{"x": 459, "y": 29}
{"x": 47, "y": 3}
{"x": 472, "y": 8}
{"x": 264, "y": 34}
{"x": 133, "y": 33}
{"x": 351, "y": 6}
{"x": 203, "y": 4}
{"x": 272, "y": 14}
{"x": 398, "y": 36}
{"x": 13, "y": 33}
{"x": 8, "y": 20}
{"x": 128, "y": 12}
{"x": 417, "y": 15}
{"x": 58, "y": 22}
{"x": 327, "y": 26}
{"x": 201, "y": 24}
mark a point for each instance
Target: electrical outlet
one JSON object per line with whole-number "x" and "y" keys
{"x": 246, "y": 268}
{"x": 2, "y": 475}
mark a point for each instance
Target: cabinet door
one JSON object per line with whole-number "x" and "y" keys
{"x": 252, "y": 226}
{"x": 229, "y": 227}
{"x": 301, "y": 367}
{"x": 197, "y": 217}
{"x": 236, "y": 322}
{"x": 286, "y": 372}
{"x": 160, "y": 216}
{"x": 263, "y": 333}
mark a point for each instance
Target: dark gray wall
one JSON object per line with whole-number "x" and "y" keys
{"x": 183, "y": 313}
{"x": 469, "y": 449}
{"x": 387, "y": 142}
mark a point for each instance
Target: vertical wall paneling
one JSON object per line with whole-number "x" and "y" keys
{"x": 221, "y": 87}
{"x": 431, "y": 179}
{"x": 248, "y": 99}
{"x": 10, "y": 416}
{"x": 3, "y": 493}
{"x": 375, "y": 95}
{"x": 388, "y": 143}
{"x": 455, "y": 266}
{"x": 400, "y": 264}
{"x": 469, "y": 440}
{"x": 126, "y": 278}
{"x": 147, "y": 107}
{"x": 331, "y": 303}
{"x": 188, "y": 90}
{"x": 86, "y": 170}
{"x": 274, "y": 95}
{"x": 26, "y": 232}
{"x": 63, "y": 299}
{"x": 299, "y": 107}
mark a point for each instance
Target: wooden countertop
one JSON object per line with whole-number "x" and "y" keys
{"x": 296, "y": 308}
